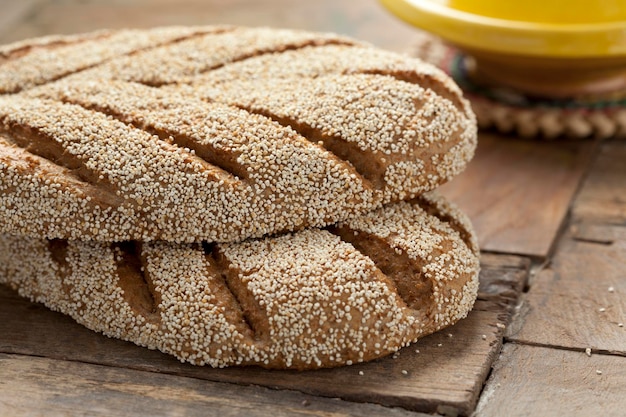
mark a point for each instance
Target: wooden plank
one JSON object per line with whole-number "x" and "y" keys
{"x": 518, "y": 192}
{"x": 446, "y": 375}
{"x": 598, "y": 233}
{"x": 535, "y": 381}
{"x": 603, "y": 196}
{"x": 364, "y": 20}
{"x": 440, "y": 373}
{"x": 580, "y": 301}
{"x": 40, "y": 386}
{"x": 502, "y": 280}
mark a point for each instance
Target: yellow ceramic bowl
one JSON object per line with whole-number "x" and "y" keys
{"x": 574, "y": 28}
{"x": 579, "y": 45}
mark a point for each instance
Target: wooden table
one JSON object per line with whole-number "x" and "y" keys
{"x": 546, "y": 337}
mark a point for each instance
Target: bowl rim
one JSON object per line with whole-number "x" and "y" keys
{"x": 472, "y": 31}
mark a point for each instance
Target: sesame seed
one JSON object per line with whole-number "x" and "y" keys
{"x": 164, "y": 138}
{"x": 83, "y": 51}
{"x": 203, "y": 133}
{"x": 287, "y": 276}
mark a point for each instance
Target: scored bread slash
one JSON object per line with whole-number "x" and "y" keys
{"x": 310, "y": 299}
{"x": 27, "y": 64}
{"x": 192, "y": 134}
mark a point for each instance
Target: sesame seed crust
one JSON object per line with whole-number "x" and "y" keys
{"x": 26, "y": 46}
{"x": 156, "y": 137}
{"x": 435, "y": 204}
{"x": 43, "y": 64}
{"x": 335, "y": 58}
{"x": 302, "y": 300}
{"x": 189, "y": 58}
{"x": 413, "y": 142}
{"x": 154, "y": 197}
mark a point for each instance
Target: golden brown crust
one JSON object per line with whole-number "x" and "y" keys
{"x": 188, "y": 134}
{"x": 315, "y": 298}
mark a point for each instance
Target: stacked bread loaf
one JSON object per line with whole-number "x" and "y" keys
{"x": 235, "y": 196}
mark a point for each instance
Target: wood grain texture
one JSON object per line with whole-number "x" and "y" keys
{"x": 40, "y": 386}
{"x": 367, "y": 20}
{"x": 536, "y": 381}
{"x": 502, "y": 280}
{"x": 518, "y": 192}
{"x": 579, "y": 302}
{"x": 603, "y": 195}
{"x": 446, "y": 377}
{"x": 446, "y": 374}
{"x": 598, "y": 232}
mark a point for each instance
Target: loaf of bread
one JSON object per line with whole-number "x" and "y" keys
{"x": 348, "y": 293}
{"x": 216, "y": 133}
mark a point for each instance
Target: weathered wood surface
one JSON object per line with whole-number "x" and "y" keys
{"x": 579, "y": 302}
{"x": 518, "y": 192}
{"x": 567, "y": 343}
{"x": 39, "y": 386}
{"x": 603, "y": 198}
{"x": 607, "y": 234}
{"x": 446, "y": 374}
{"x": 530, "y": 381}
{"x": 502, "y": 279}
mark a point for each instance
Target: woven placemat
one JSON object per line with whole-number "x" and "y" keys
{"x": 511, "y": 112}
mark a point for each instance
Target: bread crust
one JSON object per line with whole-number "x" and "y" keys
{"x": 305, "y": 300}
{"x": 204, "y": 133}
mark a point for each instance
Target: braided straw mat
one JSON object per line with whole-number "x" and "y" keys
{"x": 511, "y": 112}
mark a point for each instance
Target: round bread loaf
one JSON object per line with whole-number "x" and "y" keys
{"x": 349, "y": 293}
{"x": 216, "y": 133}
